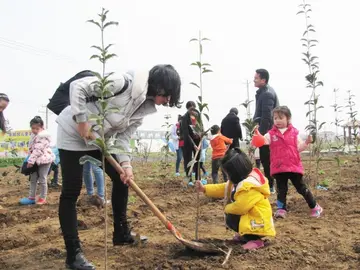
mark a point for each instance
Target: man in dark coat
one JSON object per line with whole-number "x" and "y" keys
{"x": 266, "y": 101}
{"x": 230, "y": 127}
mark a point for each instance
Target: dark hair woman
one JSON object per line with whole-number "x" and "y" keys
{"x": 160, "y": 86}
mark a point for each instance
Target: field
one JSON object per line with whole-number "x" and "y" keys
{"x": 30, "y": 235}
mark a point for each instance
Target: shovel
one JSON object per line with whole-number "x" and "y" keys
{"x": 194, "y": 245}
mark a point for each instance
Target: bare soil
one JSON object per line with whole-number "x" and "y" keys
{"x": 30, "y": 235}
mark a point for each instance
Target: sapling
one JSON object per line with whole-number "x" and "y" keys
{"x": 313, "y": 83}
{"x": 354, "y": 136}
{"x": 203, "y": 68}
{"x": 165, "y": 149}
{"x": 102, "y": 88}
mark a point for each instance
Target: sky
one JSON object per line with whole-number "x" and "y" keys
{"x": 43, "y": 43}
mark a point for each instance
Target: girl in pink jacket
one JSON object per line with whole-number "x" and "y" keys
{"x": 285, "y": 162}
{"x": 40, "y": 154}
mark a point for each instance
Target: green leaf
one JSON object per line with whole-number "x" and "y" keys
{"x": 97, "y": 47}
{"x": 111, "y": 55}
{"x": 205, "y": 39}
{"x": 206, "y": 70}
{"x": 196, "y": 64}
{"x": 110, "y": 23}
{"x": 94, "y": 117}
{"x": 200, "y": 98}
{"x": 94, "y": 22}
{"x": 300, "y": 12}
{"x": 323, "y": 123}
{"x": 112, "y": 110}
{"x": 90, "y": 159}
{"x": 205, "y": 64}
{"x": 308, "y": 113}
{"x": 193, "y": 39}
{"x": 108, "y": 46}
{"x": 195, "y": 84}
{"x": 207, "y": 116}
{"x": 95, "y": 56}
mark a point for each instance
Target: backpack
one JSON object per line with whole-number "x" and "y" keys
{"x": 61, "y": 98}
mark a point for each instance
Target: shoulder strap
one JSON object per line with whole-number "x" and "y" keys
{"x": 94, "y": 98}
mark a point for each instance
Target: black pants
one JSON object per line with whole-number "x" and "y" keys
{"x": 215, "y": 166}
{"x": 298, "y": 182}
{"x": 188, "y": 154}
{"x": 235, "y": 144}
{"x": 265, "y": 161}
{"x": 202, "y": 167}
{"x": 232, "y": 222}
{"x": 72, "y": 176}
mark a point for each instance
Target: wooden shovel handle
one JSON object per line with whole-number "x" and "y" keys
{"x": 141, "y": 194}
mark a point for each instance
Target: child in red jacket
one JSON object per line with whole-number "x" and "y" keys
{"x": 218, "y": 143}
{"x": 285, "y": 161}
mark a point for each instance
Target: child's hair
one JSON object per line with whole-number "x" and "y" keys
{"x": 190, "y": 104}
{"x": 282, "y": 110}
{"x": 214, "y": 129}
{"x": 179, "y": 117}
{"x": 237, "y": 165}
{"x": 37, "y": 121}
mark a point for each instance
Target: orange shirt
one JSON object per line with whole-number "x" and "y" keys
{"x": 218, "y": 145}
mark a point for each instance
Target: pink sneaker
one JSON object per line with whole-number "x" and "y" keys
{"x": 316, "y": 211}
{"x": 254, "y": 244}
{"x": 280, "y": 213}
{"x": 238, "y": 239}
{"x": 41, "y": 201}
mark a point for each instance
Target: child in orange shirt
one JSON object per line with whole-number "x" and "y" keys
{"x": 218, "y": 143}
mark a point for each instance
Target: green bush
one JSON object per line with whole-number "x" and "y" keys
{"x": 6, "y": 162}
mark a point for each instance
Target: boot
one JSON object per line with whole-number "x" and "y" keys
{"x": 123, "y": 236}
{"x": 75, "y": 258}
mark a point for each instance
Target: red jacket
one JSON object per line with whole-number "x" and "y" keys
{"x": 284, "y": 153}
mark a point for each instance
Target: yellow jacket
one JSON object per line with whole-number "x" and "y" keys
{"x": 250, "y": 201}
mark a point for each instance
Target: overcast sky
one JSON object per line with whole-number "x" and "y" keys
{"x": 45, "y": 42}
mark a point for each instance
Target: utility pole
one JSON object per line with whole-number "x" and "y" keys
{"x": 248, "y": 98}
{"x": 46, "y": 112}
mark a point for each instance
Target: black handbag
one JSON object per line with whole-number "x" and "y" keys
{"x": 27, "y": 171}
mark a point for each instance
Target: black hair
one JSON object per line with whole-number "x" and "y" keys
{"x": 165, "y": 81}
{"x": 179, "y": 117}
{"x": 234, "y": 110}
{"x": 263, "y": 74}
{"x": 37, "y": 121}
{"x": 282, "y": 110}
{"x": 237, "y": 165}
{"x": 2, "y": 117}
{"x": 214, "y": 129}
{"x": 190, "y": 104}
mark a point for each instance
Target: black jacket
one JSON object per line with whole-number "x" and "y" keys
{"x": 230, "y": 127}
{"x": 186, "y": 133}
{"x": 266, "y": 101}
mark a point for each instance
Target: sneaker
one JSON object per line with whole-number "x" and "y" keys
{"x": 41, "y": 201}
{"x": 190, "y": 184}
{"x": 204, "y": 182}
{"x": 253, "y": 244}
{"x": 237, "y": 239}
{"x": 177, "y": 174}
{"x": 316, "y": 211}
{"x": 272, "y": 190}
{"x": 280, "y": 213}
{"x": 27, "y": 201}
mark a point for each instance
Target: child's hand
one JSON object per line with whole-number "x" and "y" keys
{"x": 29, "y": 165}
{"x": 199, "y": 187}
{"x": 309, "y": 139}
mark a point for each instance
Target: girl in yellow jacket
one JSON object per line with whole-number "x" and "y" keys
{"x": 248, "y": 210}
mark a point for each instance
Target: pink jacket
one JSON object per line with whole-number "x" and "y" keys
{"x": 39, "y": 149}
{"x": 285, "y": 150}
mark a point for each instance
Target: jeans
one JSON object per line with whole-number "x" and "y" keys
{"x": 215, "y": 166}
{"x": 189, "y": 153}
{"x": 89, "y": 182}
{"x": 298, "y": 182}
{"x": 72, "y": 175}
{"x": 179, "y": 156}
